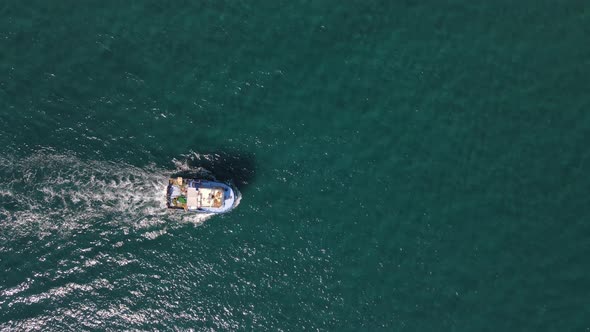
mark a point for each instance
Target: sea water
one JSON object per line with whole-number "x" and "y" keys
{"x": 403, "y": 166}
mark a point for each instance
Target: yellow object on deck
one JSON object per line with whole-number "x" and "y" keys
{"x": 211, "y": 197}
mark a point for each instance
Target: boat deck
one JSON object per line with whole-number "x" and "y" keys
{"x": 199, "y": 195}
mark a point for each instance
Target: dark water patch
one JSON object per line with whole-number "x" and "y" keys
{"x": 238, "y": 168}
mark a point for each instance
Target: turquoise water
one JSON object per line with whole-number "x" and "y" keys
{"x": 403, "y": 166}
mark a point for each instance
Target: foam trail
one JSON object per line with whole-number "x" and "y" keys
{"x": 50, "y": 192}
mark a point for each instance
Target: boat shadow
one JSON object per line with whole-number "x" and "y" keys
{"x": 235, "y": 168}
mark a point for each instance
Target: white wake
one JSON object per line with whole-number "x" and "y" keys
{"x": 50, "y": 192}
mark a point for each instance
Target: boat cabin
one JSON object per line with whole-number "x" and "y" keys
{"x": 194, "y": 195}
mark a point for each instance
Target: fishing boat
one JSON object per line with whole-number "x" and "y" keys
{"x": 200, "y": 196}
